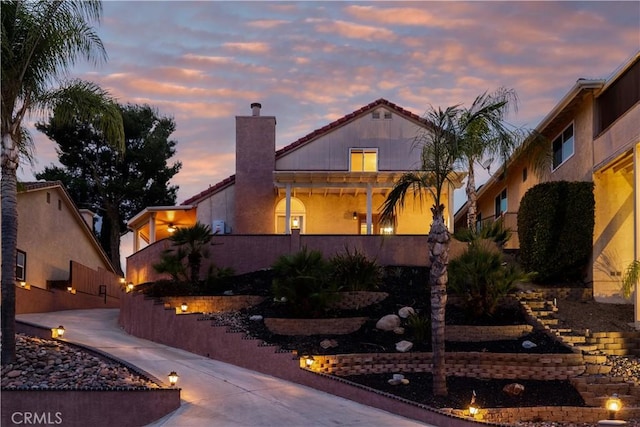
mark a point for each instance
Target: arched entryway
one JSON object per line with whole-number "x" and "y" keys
{"x": 296, "y": 214}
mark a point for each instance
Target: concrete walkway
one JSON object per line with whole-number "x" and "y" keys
{"x": 216, "y": 393}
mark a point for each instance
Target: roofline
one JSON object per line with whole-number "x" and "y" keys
{"x": 37, "y": 186}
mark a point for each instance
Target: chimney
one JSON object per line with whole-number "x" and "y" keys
{"x": 255, "y": 109}
{"x": 88, "y": 216}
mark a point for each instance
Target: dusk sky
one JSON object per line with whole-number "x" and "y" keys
{"x": 310, "y": 63}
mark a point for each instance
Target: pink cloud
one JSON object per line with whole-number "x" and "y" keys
{"x": 267, "y": 23}
{"x": 352, "y": 30}
{"x": 252, "y": 47}
{"x": 409, "y": 16}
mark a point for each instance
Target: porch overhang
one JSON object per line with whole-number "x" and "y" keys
{"x": 152, "y": 223}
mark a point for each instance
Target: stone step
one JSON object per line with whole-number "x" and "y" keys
{"x": 574, "y": 339}
{"x": 548, "y": 321}
{"x": 586, "y": 347}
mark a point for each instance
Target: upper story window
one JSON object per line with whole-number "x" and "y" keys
{"x": 381, "y": 113}
{"x": 563, "y": 146}
{"x": 501, "y": 203}
{"x": 21, "y": 265}
{"x": 364, "y": 159}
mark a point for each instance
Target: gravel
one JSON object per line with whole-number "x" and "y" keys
{"x": 43, "y": 364}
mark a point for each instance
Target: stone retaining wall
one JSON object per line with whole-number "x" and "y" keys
{"x": 471, "y": 364}
{"x": 486, "y": 333}
{"x": 212, "y": 304}
{"x": 334, "y": 326}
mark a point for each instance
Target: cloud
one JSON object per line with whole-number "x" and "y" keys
{"x": 267, "y": 23}
{"x": 252, "y": 47}
{"x": 352, "y": 30}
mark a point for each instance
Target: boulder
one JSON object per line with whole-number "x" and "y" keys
{"x": 405, "y": 312}
{"x": 388, "y": 322}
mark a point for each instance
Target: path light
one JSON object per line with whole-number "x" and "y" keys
{"x": 184, "y": 307}
{"x": 613, "y": 405}
{"x": 57, "y": 332}
{"x": 130, "y": 287}
{"x": 473, "y": 406}
{"x": 173, "y": 378}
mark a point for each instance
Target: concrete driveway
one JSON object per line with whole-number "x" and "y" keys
{"x": 216, "y": 393}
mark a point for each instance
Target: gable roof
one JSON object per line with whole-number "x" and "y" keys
{"x": 26, "y": 187}
{"x": 307, "y": 139}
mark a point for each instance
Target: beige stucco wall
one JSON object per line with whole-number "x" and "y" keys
{"x": 219, "y": 206}
{"x": 578, "y": 167}
{"x": 52, "y": 237}
{"x": 614, "y": 227}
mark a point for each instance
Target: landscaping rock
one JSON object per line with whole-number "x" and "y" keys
{"x": 255, "y": 318}
{"x": 398, "y": 379}
{"x": 399, "y": 330}
{"x": 513, "y": 389}
{"x": 388, "y": 322}
{"x": 405, "y": 312}
{"x": 404, "y": 346}
{"x": 528, "y": 344}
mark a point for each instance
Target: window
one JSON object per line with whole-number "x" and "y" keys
{"x": 375, "y": 115}
{"x": 387, "y": 115}
{"x": 364, "y": 159}
{"x": 501, "y": 203}
{"x": 563, "y": 147}
{"x": 21, "y": 265}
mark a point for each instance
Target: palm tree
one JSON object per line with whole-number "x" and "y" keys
{"x": 486, "y": 136}
{"x": 439, "y": 157}
{"x": 442, "y": 146}
{"x": 192, "y": 243}
{"x": 40, "y": 41}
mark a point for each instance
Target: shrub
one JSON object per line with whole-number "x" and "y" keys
{"x": 482, "y": 279}
{"x": 302, "y": 282}
{"x": 353, "y": 271}
{"x": 555, "y": 227}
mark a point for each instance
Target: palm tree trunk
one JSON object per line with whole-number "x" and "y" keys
{"x": 9, "y": 218}
{"x": 472, "y": 197}
{"x": 439, "y": 256}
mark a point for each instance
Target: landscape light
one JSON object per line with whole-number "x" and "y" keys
{"x": 173, "y": 378}
{"x": 129, "y": 286}
{"x": 613, "y": 405}
{"x": 184, "y": 307}
{"x": 59, "y": 332}
{"x": 308, "y": 360}
{"x": 473, "y": 406}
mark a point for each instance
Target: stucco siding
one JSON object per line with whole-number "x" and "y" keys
{"x": 622, "y": 135}
{"x": 579, "y": 166}
{"x": 52, "y": 237}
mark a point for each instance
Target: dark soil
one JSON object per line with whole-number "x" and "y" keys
{"x": 406, "y": 287}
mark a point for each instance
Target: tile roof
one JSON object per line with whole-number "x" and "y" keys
{"x": 312, "y": 136}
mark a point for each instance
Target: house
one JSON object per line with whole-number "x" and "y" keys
{"x": 59, "y": 263}
{"x": 594, "y": 132}
{"x": 329, "y": 182}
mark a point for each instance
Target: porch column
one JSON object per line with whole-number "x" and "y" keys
{"x": 450, "y": 209}
{"x": 152, "y": 228}
{"x": 136, "y": 240}
{"x": 369, "y": 209}
{"x": 287, "y": 210}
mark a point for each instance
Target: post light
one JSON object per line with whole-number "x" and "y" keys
{"x": 473, "y": 406}
{"x": 23, "y": 284}
{"x": 122, "y": 280}
{"x": 57, "y": 332}
{"x": 613, "y": 405}
{"x": 308, "y": 361}
{"x": 173, "y": 378}
{"x": 184, "y": 307}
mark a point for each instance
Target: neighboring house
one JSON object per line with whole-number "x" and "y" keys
{"x": 56, "y": 249}
{"x": 332, "y": 181}
{"x": 595, "y": 135}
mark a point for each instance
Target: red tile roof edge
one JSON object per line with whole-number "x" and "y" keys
{"x": 211, "y": 190}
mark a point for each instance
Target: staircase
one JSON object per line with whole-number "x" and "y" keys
{"x": 599, "y": 350}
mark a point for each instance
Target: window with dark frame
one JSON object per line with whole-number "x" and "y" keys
{"x": 21, "y": 265}
{"x": 501, "y": 203}
{"x": 563, "y": 146}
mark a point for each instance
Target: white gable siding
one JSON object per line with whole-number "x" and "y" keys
{"x": 392, "y": 137}
{"x": 218, "y": 206}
